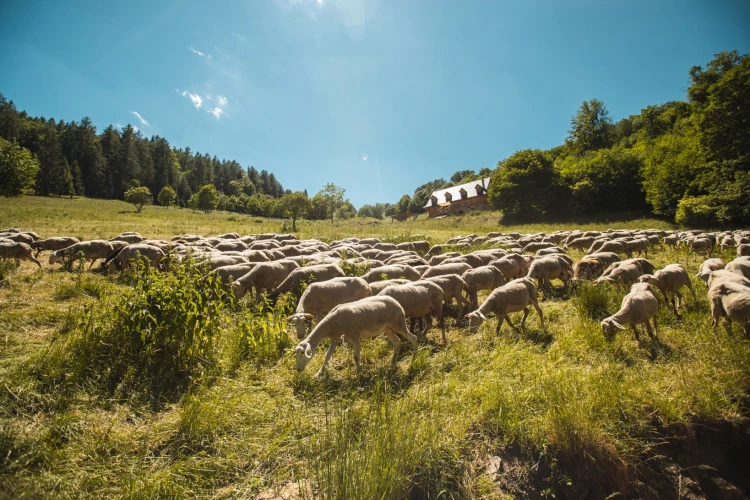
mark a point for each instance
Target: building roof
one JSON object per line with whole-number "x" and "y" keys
{"x": 455, "y": 191}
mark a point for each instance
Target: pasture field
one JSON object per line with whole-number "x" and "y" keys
{"x": 537, "y": 413}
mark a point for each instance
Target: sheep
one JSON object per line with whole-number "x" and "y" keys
{"x": 549, "y": 251}
{"x": 293, "y": 282}
{"x": 391, "y": 272}
{"x": 740, "y": 265}
{"x": 580, "y": 243}
{"x": 443, "y": 269}
{"x": 229, "y": 274}
{"x": 671, "y": 241}
{"x": 18, "y": 251}
{"x": 321, "y": 297}
{"x": 120, "y": 259}
{"x": 709, "y": 265}
{"x": 731, "y": 301}
{"x": 92, "y": 250}
{"x": 53, "y": 244}
{"x": 378, "y": 286}
{"x": 482, "y": 278}
{"x": 548, "y": 268}
{"x": 639, "y": 244}
{"x": 473, "y": 260}
{"x": 264, "y": 276}
{"x": 128, "y": 237}
{"x": 638, "y": 306}
{"x": 355, "y": 321}
{"x": 438, "y": 259}
{"x": 453, "y": 286}
{"x": 626, "y": 273}
{"x": 20, "y": 238}
{"x": 588, "y": 268}
{"x": 514, "y": 296}
{"x": 617, "y": 247}
{"x": 700, "y": 245}
{"x": 722, "y": 275}
{"x": 670, "y": 279}
{"x": 510, "y": 268}
{"x": 743, "y": 250}
{"x": 419, "y": 299}
{"x": 215, "y": 261}
{"x": 644, "y": 264}
{"x": 229, "y": 245}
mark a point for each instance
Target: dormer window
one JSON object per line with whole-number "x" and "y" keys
{"x": 448, "y": 197}
{"x": 480, "y": 190}
{"x": 433, "y": 200}
{"x": 464, "y": 194}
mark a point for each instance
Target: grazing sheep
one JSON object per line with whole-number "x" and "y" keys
{"x": 229, "y": 274}
{"x": 121, "y": 259}
{"x": 92, "y": 250}
{"x": 671, "y": 241}
{"x": 537, "y": 245}
{"x": 231, "y": 245}
{"x": 639, "y": 245}
{"x": 309, "y": 274}
{"x": 700, "y": 245}
{"x": 731, "y": 301}
{"x": 436, "y": 260}
{"x": 626, "y": 273}
{"x": 613, "y": 246}
{"x": 391, "y": 272}
{"x": 355, "y": 321}
{"x": 588, "y": 268}
{"x": 638, "y": 306}
{"x": 53, "y": 244}
{"x": 670, "y": 280}
{"x": 378, "y": 286}
{"x": 453, "y": 286}
{"x": 419, "y": 299}
{"x": 723, "y": 276}
{"x": 743, "y": 250}
{"x": 321, "y": 297}
{"x": 473, "y": 260}
{"x": 549, "y": 251}
{"x": 443, "y": 269}
{"x": 580, "y": 243}
{"x": 510, "y": 268}
{"x": 264, "y": 276}
{"x": 709, "y": 265}
{"x": 17, "y": 251}
{"x": 548, "y": 268}
{"x": 512, "y": 297}
{"x": 482, "y": 278}
{"x": 128, "y": 237}
{"x": 740, "y": 265}
{"x": 216, "y": 261}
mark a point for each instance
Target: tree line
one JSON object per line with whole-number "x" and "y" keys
{"x": 686, "y": 161}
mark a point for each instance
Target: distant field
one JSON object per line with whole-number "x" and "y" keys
{"x": 537, "y": 413}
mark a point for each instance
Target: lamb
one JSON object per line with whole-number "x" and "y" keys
{"x": 18, "y": 251}
{"x": 731, "y": 301}
{"x": 740, "y": 265}
{"x": 443, "y": 269}
{"x": 391, "y": 272}
{"x": 453, "y": 286}
{"x": 638, "y": 306}
{"x": 548, "y": 268}
{"x": 709, "y": 265}
{"x": 120, "y": 259}
{"x": 419, "y": 299}
{"x": 514, "y": 296}
{"x": 92, "y": 250}
{"x": 355, "y": 321}
{"x": 53, "y": 244}
{"x": 264, "y": 276}
{"x": 321, "y": 297}
{"x": 293, "y": 282}
{"x": 482, "y": 278}
{"x": 670, "y": 280}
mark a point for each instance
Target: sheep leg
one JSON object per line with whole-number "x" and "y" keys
{"x": 635, "y": 331}
{"x": 474, "y": 299}
{"x": 649, "y": 330}
{"x": 539, "y": 312}
{"x": 716, "y": 310}
{"x": 33, "y": 259}
{"x": 525, "y": 314}
{"x": 507, "y": 318}
{"x": 395, "y": 342}
{"x": 357, "y": 345}
{"x": 329, "y": 353}
{"x": 679, "y": 299}
{"x": 690, "y": 287}
{"x": 499, "y": 323}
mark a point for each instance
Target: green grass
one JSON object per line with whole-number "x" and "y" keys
{"x": 564, "y": 409}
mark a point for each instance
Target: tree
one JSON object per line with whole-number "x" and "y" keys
{"x": 591, "y": 128}
{"x": 167, "y": 196}
{"x": 402, "y": 206}
{"x": 525, "y": 185}
{"x": 77, "y": 176}
{"x": 18, "y": 169}
{"x": 54, "y": 175}
{"x": 207, "y": 198}
{"x": 346, "y": 211}
{"x": 457, "y": 177}
{"x": 294, "y": 205}
{"x": 139, "y": 196}
{"x": 333, "y": 197}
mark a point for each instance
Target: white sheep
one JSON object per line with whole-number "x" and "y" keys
{"x": 264, "y": 276}
{"x": 548, "y": 268}
{"x": 121, "y": 259}
{"x": 391, "y": 272}
{"x": 731, "y": 301}
{"x": 638, "y": 306}
{"x": 443, "y": 269}
{"x": 52, "y": 244}
{"x": 669, "y": 280}
{"x": 419, "y": 299}
{"x": 453, "y": 286}
{"x": 708, "y": 266}
{"x": 482, "y": 278}
{"x": 514, "y": 296}
{"x": 92, "y": 250}
{"x": 378, "y": 286}
{"x": 308, "y": 274}
{"x": 321, "y": 297}
{"x": 17, "y": 251}
{"x": 740, "y": 265}
{"x": 355, "y": 321}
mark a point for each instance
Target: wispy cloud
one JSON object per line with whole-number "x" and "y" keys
{"x": 141, "y": 119}
{"x": 118, "y": 126}
{"x": 217, "y": 112}
{"x": 199, "y": 53}
{"x": 221, "y": 100}
{"x": 364, "y": 157}
{"x": 195, "y": 98}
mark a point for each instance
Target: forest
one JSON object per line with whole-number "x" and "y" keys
{"x": 684, "y": 161}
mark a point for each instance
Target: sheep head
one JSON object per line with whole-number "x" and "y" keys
{"x": 648, "y": 278}
{"x": 298, "y": 319}
{"x": 303, "y": 353}
{"x": 476, "y": 319}
{"x": 54, "y": 257}
{"x": 610, "y": 328}
{"x": 238, "y": 290}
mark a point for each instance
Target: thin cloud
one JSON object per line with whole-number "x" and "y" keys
{"x": 118, "y": 126}
{"x": 217, "y": 112}
{"x": 195, "y": 98}
{"x": 199, "y": 53}
{"x": 222, "y": 101}
{"x": 364, "y": 157}
{"x": 141, "y": 119}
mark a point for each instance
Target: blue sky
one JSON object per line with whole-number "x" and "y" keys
{"x": 376, "y": 96}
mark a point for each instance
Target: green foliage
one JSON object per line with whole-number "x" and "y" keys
{"x": 331, "y": 196}
{"x": 18, "y": 169}
{"x": 153, "y": 340}
{"x": 295, "y": 205}
{"x": 167, "y": 196}
{"x": 346, "y": 211}
{"x": 375, "y": 211}
{"x": 697, "y": 211}
{"x": 261, "y": 204}
{"x": 591, "y": 128}
{"x": 206, "y": 199}
{"x": 403, "y": 204}
{"x": 138, "y": 197}
{"x": 595, "y": 301}
{"x": 259, "y": 337}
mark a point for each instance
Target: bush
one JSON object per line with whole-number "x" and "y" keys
{"x": 154, "y": 340}
{"x": 260, "y": 338}
{"x": 139, "y": 196}
{"x": 696, "y": 211}
{"x": 594, "y": 302}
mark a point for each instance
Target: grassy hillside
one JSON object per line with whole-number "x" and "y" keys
{"x": 531, "y": 413}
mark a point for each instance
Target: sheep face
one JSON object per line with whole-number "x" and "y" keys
{"x": 298, "y": 319}
{"x": 302, "y": 353}
{"x": 238, "y": 290}
{"x": 54, "y": 257}
{"x": 648, "y": 278}
{"x": 475, "y": 321}
{"x": 610, "y": 328}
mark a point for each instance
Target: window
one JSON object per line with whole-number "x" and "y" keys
{"x": 480, "y": 190}
{"x": 464, "y": 194}
{"x": 448, "y": 197}
{"x": 433, "y": 200}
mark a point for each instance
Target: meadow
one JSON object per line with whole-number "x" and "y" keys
{"x": 537, "y": 413}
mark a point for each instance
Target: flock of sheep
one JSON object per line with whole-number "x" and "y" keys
{"x": 414, "y": 279}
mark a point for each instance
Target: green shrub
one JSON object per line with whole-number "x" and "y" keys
{"x": 260, "y": 337}
{"x": 594, "y": 302}
{"x": 696, "y": 211}
{"x": 155, "y": 339}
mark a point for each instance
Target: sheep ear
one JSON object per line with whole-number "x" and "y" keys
{"x": 308, "y": 351}
{"x": 482, "y": 316}
{"x": 618, "y": 325}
